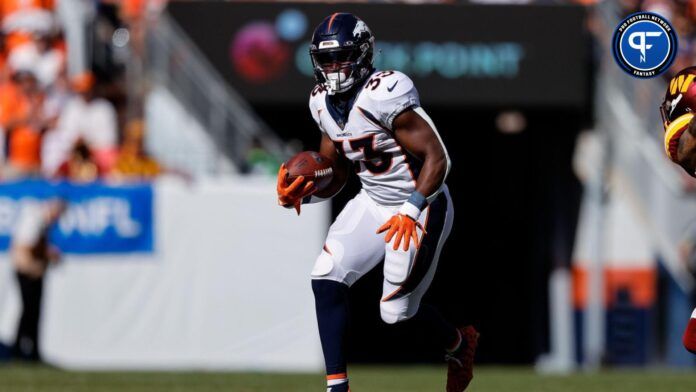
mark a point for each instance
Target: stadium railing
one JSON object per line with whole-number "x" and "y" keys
{"x": 174, "y": 62}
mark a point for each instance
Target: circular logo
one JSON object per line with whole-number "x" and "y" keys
{"x": 291, "y": 25}
{"x": 258, "y": 54}
{"x": 644, "y": 44}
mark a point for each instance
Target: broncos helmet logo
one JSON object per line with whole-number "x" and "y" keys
{"x": 360, "y": 28}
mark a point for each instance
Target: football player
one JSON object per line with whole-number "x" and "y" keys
{"x": 677, "y": 111}
{"x": 373, "y": 120}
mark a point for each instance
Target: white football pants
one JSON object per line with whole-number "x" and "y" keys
{"x": 353, "y": 248}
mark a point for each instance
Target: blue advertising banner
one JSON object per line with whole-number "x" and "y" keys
{"x": 99, "y": 218}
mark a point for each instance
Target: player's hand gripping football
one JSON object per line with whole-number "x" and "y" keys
{"x": 404, "y": 227}
{"x": 291, "y": 195}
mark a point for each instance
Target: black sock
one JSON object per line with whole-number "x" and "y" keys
{"x": 331, "y": 299}
{"x": 432, "y": 320}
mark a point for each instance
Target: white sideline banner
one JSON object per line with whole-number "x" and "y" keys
{"x": 226, "y": 288}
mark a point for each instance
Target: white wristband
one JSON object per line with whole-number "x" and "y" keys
{"x": 410, "y": 210}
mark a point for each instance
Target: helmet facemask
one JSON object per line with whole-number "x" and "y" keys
{"x": 339, "y": 69}
{"x": 664, "y": 112}
{"x": 670, "y": 111}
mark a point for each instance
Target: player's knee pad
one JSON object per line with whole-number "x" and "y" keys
{"x": 395, "y": 311}
{"x": 327, "y": 264}
{"x": 397, "y": 265}
{"x": 323, "y": 266}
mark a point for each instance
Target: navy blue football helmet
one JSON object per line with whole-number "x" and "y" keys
{"x": 342, "y": 52}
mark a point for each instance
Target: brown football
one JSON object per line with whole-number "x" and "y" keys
{"x": 313, "y": 166}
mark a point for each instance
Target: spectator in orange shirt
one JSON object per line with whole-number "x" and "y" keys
{"x": 10, "y": 7}
{"x": 21, "y": 18}
{"x": 21, "y": 115}
{"x": 45, "y": 54}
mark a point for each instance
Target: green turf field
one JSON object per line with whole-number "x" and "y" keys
{"x": 363, "y": 379}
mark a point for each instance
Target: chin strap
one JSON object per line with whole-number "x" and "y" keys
{"x": 334, "y": 85}
{"x": 331, "y": 86}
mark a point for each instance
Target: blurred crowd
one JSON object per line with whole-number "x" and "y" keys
{"x": 58, "y": 124}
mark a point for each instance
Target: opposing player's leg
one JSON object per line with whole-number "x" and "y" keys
{"x": 351, "y": 250}
{"x": 689, "y": 338}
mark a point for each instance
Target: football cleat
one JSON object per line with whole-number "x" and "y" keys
{"x": 460, "y": 370}
{"x": 337, "y": 382}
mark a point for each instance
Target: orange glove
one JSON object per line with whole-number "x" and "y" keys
{"x": 291, "y": 195}
{"x": 404, "y": 227}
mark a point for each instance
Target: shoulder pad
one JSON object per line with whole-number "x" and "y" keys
{"x": 318, "y": 92}
{"x": 315, "y": 103}
{"x": 385, "y": 85}
{"x": 388, "y": 94}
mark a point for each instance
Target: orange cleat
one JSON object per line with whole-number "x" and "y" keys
{"x": 460, "y": 370}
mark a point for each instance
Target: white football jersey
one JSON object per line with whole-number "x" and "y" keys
{"x": 387, "y": 171}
